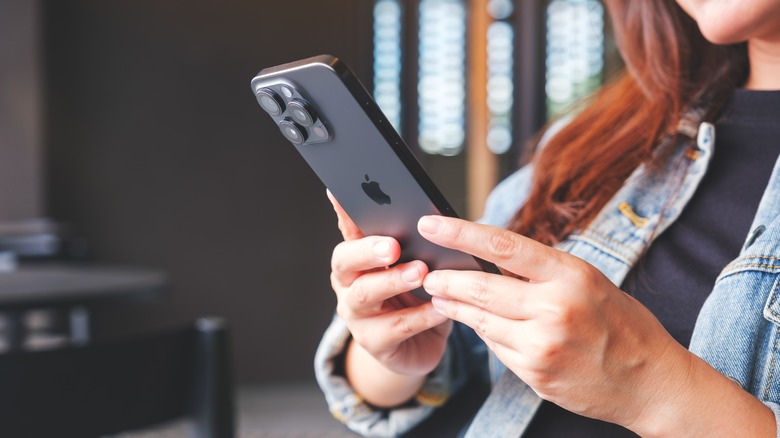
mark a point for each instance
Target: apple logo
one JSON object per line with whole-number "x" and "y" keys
{"x": 374, "y": 192}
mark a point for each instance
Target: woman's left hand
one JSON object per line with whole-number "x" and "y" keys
{"x": 562, "y": 326}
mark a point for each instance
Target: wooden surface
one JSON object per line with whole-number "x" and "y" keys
{"x": 482, "y": 167}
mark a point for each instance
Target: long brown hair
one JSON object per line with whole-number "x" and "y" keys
{"x": 670, "y": 68}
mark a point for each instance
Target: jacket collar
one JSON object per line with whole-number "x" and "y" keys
{"x": 644, "y": 207}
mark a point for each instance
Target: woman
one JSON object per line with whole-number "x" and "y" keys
{"x": 625, "y": 222}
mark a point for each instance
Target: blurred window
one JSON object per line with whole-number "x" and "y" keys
{"x": 524, "y": 60}
{"x": 500, "y": 75}
{"x": 575, "y": 52}
{"x": 388, "y": 28}
{"x": 441, "y": 82}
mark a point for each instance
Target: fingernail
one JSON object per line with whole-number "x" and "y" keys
{"x": 429, "y": 224}
{"x": 439, "y": 304}
{"x": 411, "y": 274}
{"x": 430, "y": 282}
{"x": 382, "y": 249}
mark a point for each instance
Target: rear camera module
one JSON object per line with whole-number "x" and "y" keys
{"x": 302, "y": 113}
{"x": 271, "y": 102}
{"x": 293, "y": 132}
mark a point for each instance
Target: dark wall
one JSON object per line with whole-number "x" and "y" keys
{"x": 20, "y": 148}
{"x": 158, "y": 155}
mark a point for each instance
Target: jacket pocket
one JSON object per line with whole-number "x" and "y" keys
{"x": 772, "y": 306}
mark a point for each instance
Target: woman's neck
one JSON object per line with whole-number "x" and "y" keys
{"x": 764, "y": 65}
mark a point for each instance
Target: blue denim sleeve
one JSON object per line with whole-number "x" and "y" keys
{"x": 507, "y": 197}
{"x": 348, "y": 407}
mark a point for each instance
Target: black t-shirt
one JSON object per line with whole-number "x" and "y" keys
{"x": 679, "y": 270}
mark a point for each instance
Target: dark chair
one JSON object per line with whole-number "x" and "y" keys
{"x": 110, "y": 387}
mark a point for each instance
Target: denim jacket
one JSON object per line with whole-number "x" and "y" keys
{"x": 737, "y": 330}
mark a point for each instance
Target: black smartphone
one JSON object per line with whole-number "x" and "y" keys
{"x": 325, "y": 112}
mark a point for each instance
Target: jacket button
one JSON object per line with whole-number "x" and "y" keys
{"x": 754, "y": 235}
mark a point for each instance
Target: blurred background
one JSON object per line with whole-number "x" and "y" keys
{"x": 132, "y": 149}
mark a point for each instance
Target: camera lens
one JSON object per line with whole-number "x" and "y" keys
{"x": 293, "y": 132}
{"x": 302, "y": 113}
{"x": 270, "y": 101}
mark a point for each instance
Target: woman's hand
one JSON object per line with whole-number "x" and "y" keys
{"x": 400, "y": 331}
{"x": 568, "y": 332}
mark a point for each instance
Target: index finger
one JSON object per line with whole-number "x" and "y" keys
{"x": 348, "y": 229}
{"x": 518, "y": 254}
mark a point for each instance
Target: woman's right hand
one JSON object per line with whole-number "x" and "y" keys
{"x": 401, "y": 332}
